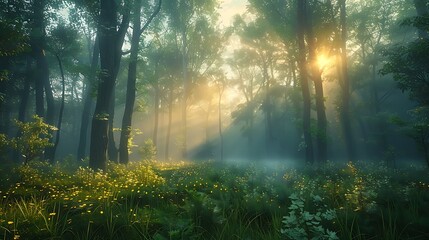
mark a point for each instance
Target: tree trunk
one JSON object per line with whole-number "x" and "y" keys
{"x": 380, "y": 126}
{"x": 207, "y": 121}
{"x": 221, "y": 90}
{"x": 345, "y": 108}
{"x": 5, "y": 117}
{"x": 25, "y": 92}
{"x": 308, "y": 142}
{"x": 37, "y": 41}
{"x": 108, "y": 42}
{"x": 131, "y": 83}
{"x": 60, "y": 118}
{"x": 321, "y": 134}
{"x": 156, "y": 113}
{"x": 131, "y": 87}
{"x": 322, "y": 122}
{"x": 185, "y": 94}
{"x": 111, "y": 42}
{"x": 50, "y": 108}
{"x": 112, "y": 150}
{"x": 88, "y": 101}
{"x": 170, "y": 119}
{"x": 42, "y": 85}
{"x": 267, "y": 109}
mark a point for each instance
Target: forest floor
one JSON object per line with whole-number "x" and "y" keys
{"x": 209, "y": 200}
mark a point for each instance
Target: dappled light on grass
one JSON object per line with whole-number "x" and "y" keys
{"x": 209, "y": 200}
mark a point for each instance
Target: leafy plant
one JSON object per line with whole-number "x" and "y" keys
{"x": 303, "y": 224}
{"x": 148, "y": 150}
{"x": 33, "y": 138}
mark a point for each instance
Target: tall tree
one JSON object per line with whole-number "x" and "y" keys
{"x": 302, "y": 9}
{"x": 316, "y": 75}
{"x": 63, "y": 44}
{"x": 88, "y": 100}
{"x": 42, "y": 85}
{"x": 132, "y": 76}
{"x": 111, "y": 37}
{"x": 345, "y": 86}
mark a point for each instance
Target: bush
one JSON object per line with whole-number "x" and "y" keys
{"x": 148, "y": 150}
{"x": 33, "y": 138}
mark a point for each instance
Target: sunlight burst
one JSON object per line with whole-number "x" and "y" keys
{"x": 322, "y": 61}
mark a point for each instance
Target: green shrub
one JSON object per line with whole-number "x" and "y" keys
{"x": 33, "y": 138}
{"x": 148, "y": 150}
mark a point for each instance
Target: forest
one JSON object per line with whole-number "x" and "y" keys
{"x": 214, "y": 119}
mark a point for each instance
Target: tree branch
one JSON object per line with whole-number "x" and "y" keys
{"x": 155, "y": 12}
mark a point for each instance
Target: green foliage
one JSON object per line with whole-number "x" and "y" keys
{"x": 409, "y": 65}
{"x": 148, "y": 150}
{"x": 13, "y": 41}
{"x": 417, "y": 128}
{"x": 63, "y": 40}
{"x": 33, "y": 139}
{"x": 4, "y": 144}
{"x": 152, "y": 200}
{"x": 302, "y": 224}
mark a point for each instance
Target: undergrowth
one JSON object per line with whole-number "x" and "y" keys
{"x": 208, "y": 200}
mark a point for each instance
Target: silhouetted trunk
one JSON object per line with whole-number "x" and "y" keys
{"x": 131, "y": 87}
{"x": 308, "y": 143}
{"x": 108, "y": 42}
{"x": 345, "y": 87}
{"x": 131, "y": 83}
{"x": 42, "y": 83}
{"x": 60, "y": 118}
{"x": 50, "y": 111}
{"x": 36, "y": 41}
{"x": 170, "y": 119}
{"x": 23, "y": 103}
{"x": 380, "y": 125}
{"x": 112, "y": 150}
{"x": 111, "y": 42}
{"x": 88, "y": 102}
{"x": 267, "y": 109}
{"x": 50, "y": 102}
{"x": 295, "y": 99}
{"x": 5, "y": 116}
{"x": 4, "y": 92}
{"x": 321, "y": 133}
{"x": 25, "y": 94}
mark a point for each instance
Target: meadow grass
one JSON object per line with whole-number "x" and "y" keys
{"x": 210, "y": 200}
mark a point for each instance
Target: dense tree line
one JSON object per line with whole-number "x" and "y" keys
{"x": 310, "y": 79}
